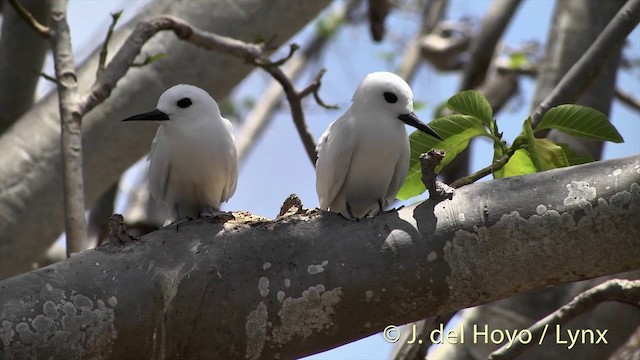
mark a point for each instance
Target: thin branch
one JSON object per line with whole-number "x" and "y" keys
{"x": 103, "y": 52}
{"x": 495, "y": 166}
{"x": 295, "y": 102}
{"x": 49, "y": 78}
{"x": 483, "y": 46}
{"x": 42, "y": 30}
{"x": 71, "y": 121}
{"x": 628, "y": 99}
{"x": 429, "y": 162}
{"x": 261, "y": 114}
{"x": 432, "y": 13}
{"x": 625, "y": 291}
{"x": 584, "y": 71}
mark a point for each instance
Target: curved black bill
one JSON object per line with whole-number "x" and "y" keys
{"x": 155, "y": 115}
{"x": 411, "y": 119}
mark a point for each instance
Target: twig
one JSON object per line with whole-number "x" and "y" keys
{"x": 295, "y": 102}
{"x": 625, "y": 291}
{"x": 261, "y": 114}
{"x": 483, "y": 46}
{"x": 71, "y": 121}
{"x": 42, "y": 30}
{"x": 495, "y": 166}
{"x": 428, "y": 162}
{"x": 584, "y": 71}
{"x": 314, "y": 87}
{"x": 628, "y": 99}
{"x": 49, "y": 78}
{"x": 103, "y": 52}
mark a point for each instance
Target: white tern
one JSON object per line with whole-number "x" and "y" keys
{"x": 363, "y": 157}
{"x": 193, "y": 158}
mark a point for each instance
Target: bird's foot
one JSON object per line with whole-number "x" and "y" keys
{"x": 209, "y": 213}
{"x": 351, "y": 216}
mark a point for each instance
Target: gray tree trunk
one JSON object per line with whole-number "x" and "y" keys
{"x": 22, "y": 53}
{"x": 31, "y": 181}
{"x": 305, "y": 283}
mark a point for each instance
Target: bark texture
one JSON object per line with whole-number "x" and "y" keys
{"x": 305, "y": 283}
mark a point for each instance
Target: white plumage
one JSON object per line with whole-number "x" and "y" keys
{"x": 363, "y": 157}
{"x": 193, "y": 158}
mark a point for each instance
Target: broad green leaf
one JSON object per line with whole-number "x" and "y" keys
{"x": 551, "y": 156}
{"x": 472, "y": 103}
{"x": 580, "y": 121}
{"x": 456, "y": 130}
{"x": 573, "y": 157}
{"x": 519, "y": 164}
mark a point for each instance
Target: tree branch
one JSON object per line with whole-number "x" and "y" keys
{"x": 40, "y": 29}
{"x": 71, "y": 127}
{"x": 613, "y": 290}
{"x": 584, "y": 71}
{"x": 261, "y": 113}
{"x": 105, "y": 46}
{"x": 628, "y": 99}
{"x": 432, "y": 13}
{"x": 308, "y": 282}
{"x": 483, "y": 46}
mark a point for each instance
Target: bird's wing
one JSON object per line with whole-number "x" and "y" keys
{"x": 399, "y": 176}
{"x": 232, "y": 166}
{"x": 159, "y": 169}
{"x": 335, "y": 150}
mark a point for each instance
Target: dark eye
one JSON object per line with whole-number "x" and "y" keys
{"x": 184, "y": 103}
{"x": 390, "y": 97}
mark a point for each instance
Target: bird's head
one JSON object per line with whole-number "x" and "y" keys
{"x": 181, "y": 105}
{"x": 387, "y": 93}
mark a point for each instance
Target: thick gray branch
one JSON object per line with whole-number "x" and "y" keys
{"x": 31, "y": 180}
{"x": 305, "y": 283}
{"x": 22, "y": 53}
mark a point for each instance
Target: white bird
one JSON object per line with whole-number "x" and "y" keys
{"x": 193, "y": 158}
{"x": 363, "y": 157}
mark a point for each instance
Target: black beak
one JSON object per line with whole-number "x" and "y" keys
{"x": 155, "y": 115}
{"x": 411, "y": 119}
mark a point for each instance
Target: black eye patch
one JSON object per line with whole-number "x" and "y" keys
{"x": 184, "y": 103}
{"x": 390, "y": 97}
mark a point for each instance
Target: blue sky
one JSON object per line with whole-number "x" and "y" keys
{"x": 279, "y": 160}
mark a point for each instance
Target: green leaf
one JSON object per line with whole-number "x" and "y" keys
{"x": 456, "y": 130}
{"x": 573, "y": 157}
{"x": 419, "y": 105}
{"x": 551, "y": 156}
{"x": 580, "y": 121}
{"x": 472, "y": 103}
{"x": 519, "y": 164}
{"x": 517, "y": 60}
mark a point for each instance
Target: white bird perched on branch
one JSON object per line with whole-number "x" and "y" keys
{"x": 193, "y": 158}
{"x": 363, "y": 157}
